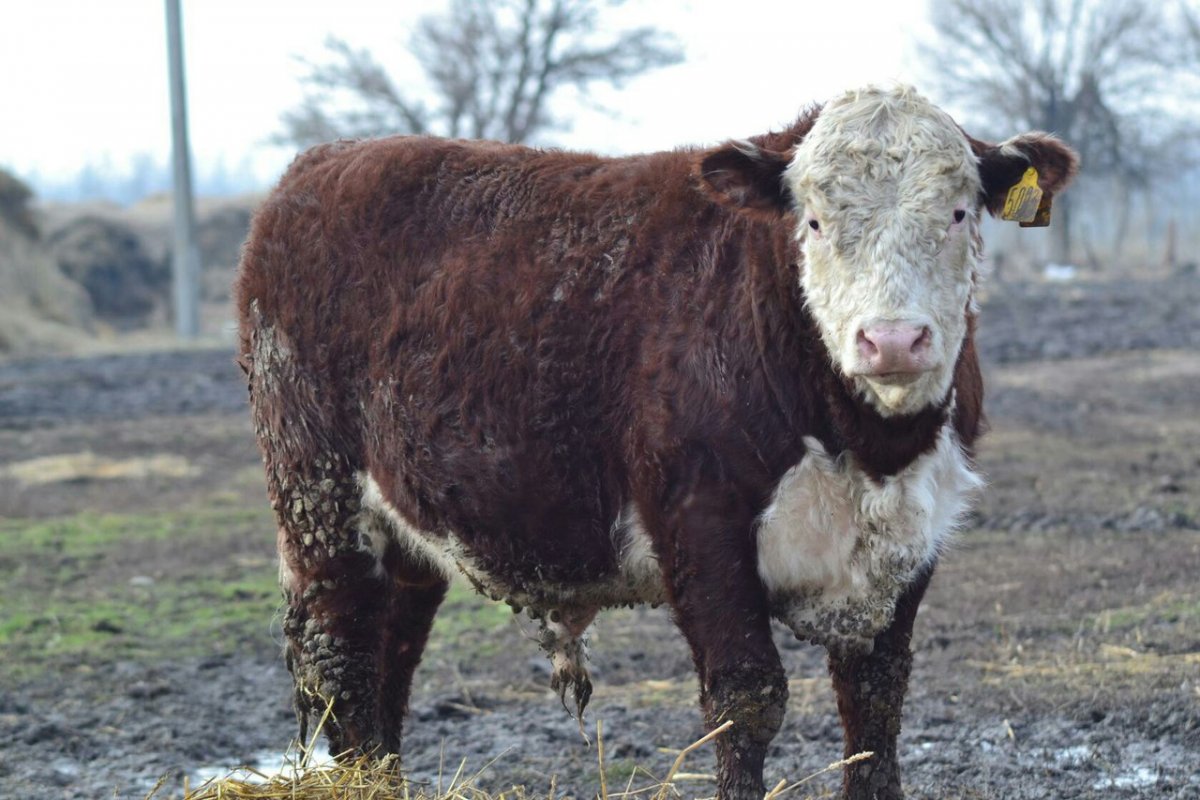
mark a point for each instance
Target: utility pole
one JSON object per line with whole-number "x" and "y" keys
{"x": 185, "y": 263}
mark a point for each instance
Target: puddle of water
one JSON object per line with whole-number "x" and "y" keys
{"x": 1130, "y": 779}
{"x": 1074, "y": 756}
{"x": 266, "y": 765}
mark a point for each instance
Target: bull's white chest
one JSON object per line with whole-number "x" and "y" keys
{"x": 836, "y": 549}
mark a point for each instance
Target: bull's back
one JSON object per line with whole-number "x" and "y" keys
{"x": 413, "y": 236}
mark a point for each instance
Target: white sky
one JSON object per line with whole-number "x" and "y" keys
{"x": 86, "y": 80}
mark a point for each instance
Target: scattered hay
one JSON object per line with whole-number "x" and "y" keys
{"x": 366, "y": 778}
{"x": 89, "y": 466}
{"x": 1113, "y": 662}
{"x": 361, "y": 779}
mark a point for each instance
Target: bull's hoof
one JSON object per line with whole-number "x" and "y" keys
{"x": 870, "y": 781}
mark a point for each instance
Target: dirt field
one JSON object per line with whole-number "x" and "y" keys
{"x": 1058, "y": 652}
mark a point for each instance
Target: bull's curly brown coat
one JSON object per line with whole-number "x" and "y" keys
{"x": 516, "y": 346}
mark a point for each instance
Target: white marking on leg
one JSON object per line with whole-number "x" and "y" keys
{"x": 639, "y": 565}
{"x": 287, "y": 577}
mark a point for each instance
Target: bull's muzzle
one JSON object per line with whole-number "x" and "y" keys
{"x": 894, "y": 352}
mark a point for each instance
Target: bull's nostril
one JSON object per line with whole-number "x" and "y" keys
{"x": 924, "y": 341}
{"x": 866, "y": 346}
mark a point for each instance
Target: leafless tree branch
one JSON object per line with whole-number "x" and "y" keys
{"x": 1110, "y": 76}
{"x": 491, "y": 68}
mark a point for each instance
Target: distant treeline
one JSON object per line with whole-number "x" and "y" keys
{"x": 142, "y": 176}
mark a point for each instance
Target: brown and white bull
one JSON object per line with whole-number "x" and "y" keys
{"x": 741, "y": 381}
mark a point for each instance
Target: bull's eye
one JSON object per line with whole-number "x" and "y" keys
{"x": 959, "y": 215}
{"x": 816, "y": 226}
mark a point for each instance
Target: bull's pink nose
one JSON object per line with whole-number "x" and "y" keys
{"x": 892, "y": 347}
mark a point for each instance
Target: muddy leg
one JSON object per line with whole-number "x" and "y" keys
{"x": 741, "y": 679}
{"x": 870, "y": 696}
{"x": 337, "y": 596}
{"x": 722, "y": 610}
{"x": 333, "y": 585}
{"x": 752, "y": 693}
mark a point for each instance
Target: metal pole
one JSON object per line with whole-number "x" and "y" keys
{"x": 185, "y": 263}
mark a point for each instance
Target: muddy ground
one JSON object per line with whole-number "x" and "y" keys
{"x": 1058, "y": 652}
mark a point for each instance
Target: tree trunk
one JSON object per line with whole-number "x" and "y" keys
{"x": 1124, "y": 221}
{"x": 1171, "y": 252}
{"x": 1061, "y": 247}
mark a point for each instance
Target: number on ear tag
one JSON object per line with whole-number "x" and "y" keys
{"x": 1023, "y": 200}
{"x": 1042, "y": 218}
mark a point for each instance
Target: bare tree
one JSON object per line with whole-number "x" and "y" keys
{"x": 1106, "y": 75}
{"x": 492, "y": 67}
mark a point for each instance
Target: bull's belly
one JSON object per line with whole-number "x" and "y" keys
{"x": 836, "y": 549}
{"x": 636, "y": 578}
{"x": 563, "y": 610}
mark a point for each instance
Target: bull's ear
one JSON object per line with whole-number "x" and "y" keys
{"x": 1002, "y": 166}
{"x": 745, "y": 176}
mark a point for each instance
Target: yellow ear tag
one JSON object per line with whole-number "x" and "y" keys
{"x": 1022, "y": 202}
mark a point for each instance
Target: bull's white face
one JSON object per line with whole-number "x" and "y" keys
{"x": 886, "y": 187}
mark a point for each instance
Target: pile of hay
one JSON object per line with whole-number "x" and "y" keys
{"x": 107, "y": 258}
{"x": 361, "y": 779}
{"x": 41, "y": 310}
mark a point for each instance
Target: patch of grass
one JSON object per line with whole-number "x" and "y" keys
{"x": 97, "y": 588}
{"x": 87, "y": 534}
{"x": 173, "y": 584}
{"x": 1165, "y": 609}
{"x": 467, "y": 614}
{"x": 1113, "y": 664}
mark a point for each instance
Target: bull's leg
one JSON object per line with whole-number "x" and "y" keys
{"x": 870, "y": 691}
{"x": 741, "y": 679}
{"x": 359, "y": 614}
{"x": 721, "y": 608}
{"x": 332, "y": 579}
{"x": 338, "y": 599}
{"x": 416, "y": 593}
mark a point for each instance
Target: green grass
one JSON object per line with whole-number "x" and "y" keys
{"x": 466, "y": 615}
{"x": 88, "y": 534}
{"x": 142, "y": 587}
{"x": 165, "y": 585}
{"x": 1165, "y": 609}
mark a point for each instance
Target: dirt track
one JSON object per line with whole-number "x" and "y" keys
{"x": 1058, "y": 651}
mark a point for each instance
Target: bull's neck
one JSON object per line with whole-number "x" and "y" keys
{"x": 815, "y": 398}
{"x": 880, "y": 445}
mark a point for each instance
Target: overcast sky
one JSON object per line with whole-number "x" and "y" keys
{"x": 86, "y": 80}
